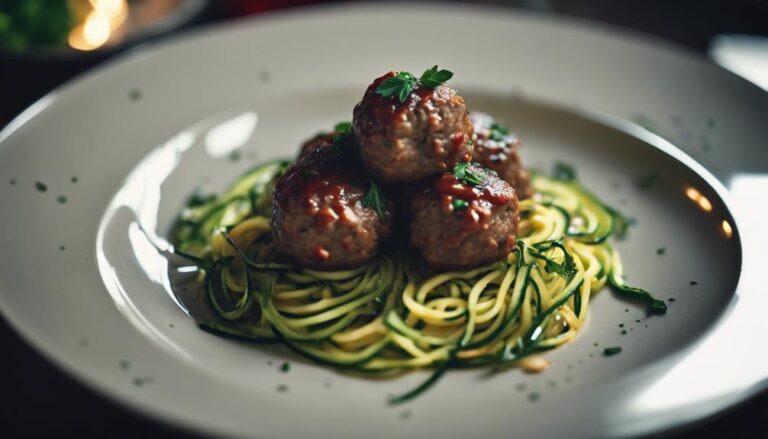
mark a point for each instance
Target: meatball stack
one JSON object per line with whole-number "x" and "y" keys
{"x": 415, "y": 142}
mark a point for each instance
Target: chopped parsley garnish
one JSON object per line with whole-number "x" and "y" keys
{"x": 564, "y": 172}
{"x": 498, "y": 132}
{"x": 402, "y": 84}
{"x": 433, "y": 77}
{"x": 661, "y": 250}
{"x": 566, "y": 270}
{"x": 466, "y": 174}
{"x": 459, "y": 204}
{"x": 342, "y": 127}
{"x": 374, "y": 199}
{"x": 611, "y": 351}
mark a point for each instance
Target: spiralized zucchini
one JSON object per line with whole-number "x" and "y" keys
{"x": 395, "y": 313}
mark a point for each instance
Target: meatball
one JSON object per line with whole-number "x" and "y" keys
{"x": 341, "y": 131}
{"x": 402, "y": 142}
{"x": 318, "y": 214}
{"x": 319, "y": 139}
{"x": 464, "y": 222}
{"x": 496, "y": 149}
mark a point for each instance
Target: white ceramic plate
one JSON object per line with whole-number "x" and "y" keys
{"x": 125, "y": 144}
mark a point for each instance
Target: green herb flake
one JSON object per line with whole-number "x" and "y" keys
{"x": 400, "y": 85}
{"x": 285, "y": 367}
{"x": 433, "y": 77}
{"x": 661, "y": 250}
{"x": 375, "y": 199}
{"x": 608, "y": 352}
{"x": 564, "y": 172}
{"x": 498, "y": 132}
{"x": 566, "y": 270}
{"x": 41, "y": 187}
{"x": 467, "y": 175}
{"x": 459, "y": 204}
{"x": 342, "y": 127}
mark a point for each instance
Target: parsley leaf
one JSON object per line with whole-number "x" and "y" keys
{"x": 466, "y": 174}
{"x": 342, "y": 127}
{"x": 375, "y": 199}
{"x": 567, "y": 269}
{"x": 459, "y": 204}
{"x": 564, "y": 172}
{"x": 431, "y": 78}
{"x": 400, "y": 85}
{"x": 498, "y": 132}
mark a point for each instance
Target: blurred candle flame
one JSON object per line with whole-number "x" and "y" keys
{"x": 698, "y": 198}
{"x": 100, "y": 22}
{"x": 727, "y": 229}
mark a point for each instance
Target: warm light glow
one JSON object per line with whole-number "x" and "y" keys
{"x": 115, "y": 10}
{"x": 96, "y": 29}
{"x": 705, "y": 204}
{"x": 727, "y": 229}
{"x": 99, "y": 24}
{"x": 692, "y": 193}
{"x": 698, "y": 198}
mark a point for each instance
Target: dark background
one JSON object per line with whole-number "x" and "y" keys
{"x": 39, "y": 400}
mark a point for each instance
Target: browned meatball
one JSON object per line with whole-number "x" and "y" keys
{"x": 319, "y": 139}
{"x": 340, "y": 131}
{"x": 402, "y": 142}
{"x": 458, "y": 225}
{"x": 497, "y": 149}
{"x": 318, "y": 214}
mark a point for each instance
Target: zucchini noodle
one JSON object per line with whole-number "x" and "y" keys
{"x": 395, "y": 313}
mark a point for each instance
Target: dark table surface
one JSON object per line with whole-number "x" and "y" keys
{"x": 40, "y": 400}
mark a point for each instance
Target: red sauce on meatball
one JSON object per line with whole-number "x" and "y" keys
{"x": 392, "y": 110}
{"x": 479, "y": 199}
{"x": 321, "y": 187}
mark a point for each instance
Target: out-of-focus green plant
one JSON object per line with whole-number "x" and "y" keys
{"x": 26, "y": 24}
